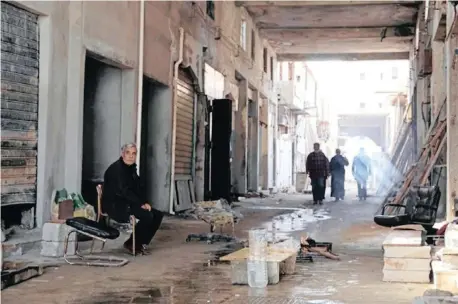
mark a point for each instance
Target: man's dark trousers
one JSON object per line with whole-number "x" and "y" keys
{"x": 318, "y": 188}
{"x": 147, "y": 226}
{"x": 362, "y": 189}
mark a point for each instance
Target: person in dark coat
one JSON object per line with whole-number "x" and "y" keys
{"x": 317, "y": 167}
{"x": 124, "y": 195}
{"x": 337, "y": 167}
{"x": 361, "y": 169}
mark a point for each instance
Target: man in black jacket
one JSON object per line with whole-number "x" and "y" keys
{"x": 124, "y": 195}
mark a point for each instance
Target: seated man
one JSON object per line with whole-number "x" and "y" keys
{"x": 123, "y": 195}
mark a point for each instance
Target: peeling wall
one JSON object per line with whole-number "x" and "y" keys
{"x": 110, "y": 32}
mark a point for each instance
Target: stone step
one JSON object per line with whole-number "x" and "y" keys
{"x": 445, "y": 276}
{"x": 21, "y": 242}
{"x": 406, "y": 276}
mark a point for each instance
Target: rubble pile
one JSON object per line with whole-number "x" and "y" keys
{"x": 213, "y": 211}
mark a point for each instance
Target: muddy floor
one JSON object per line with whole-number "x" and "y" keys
{"x": 185, "y": 273}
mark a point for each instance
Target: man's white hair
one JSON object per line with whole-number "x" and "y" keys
{"x": 128, "y": 146}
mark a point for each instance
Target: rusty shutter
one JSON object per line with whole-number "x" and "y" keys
{"x": 19, "y": 105}
{"x": 184, "y": 125}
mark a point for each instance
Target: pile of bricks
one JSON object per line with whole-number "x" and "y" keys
{"x": 406, "y": 258}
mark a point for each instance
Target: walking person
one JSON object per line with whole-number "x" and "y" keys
{"x": 337, "y": 166}
{"x": 317, "y": 167}
{"x": 361, "y": 169}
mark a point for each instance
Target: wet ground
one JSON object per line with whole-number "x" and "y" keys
{"x": 179, "y": 272}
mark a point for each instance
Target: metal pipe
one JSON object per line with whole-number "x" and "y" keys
{"x": 140, "y": 82}
{"x": 174, "y": 113}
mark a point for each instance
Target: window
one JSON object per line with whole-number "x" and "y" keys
{"x": 362, "y": 105}
{"x": 264, "y": 59}
{"x": 394, "y": 73}
{"x": 362, "y": 76}
{"x": 272, "y": 68}
{"x": 298, "y": 78}
{"x": 381, "y": 76}
{"x": 380, "y": 105}
{"x": 243, "y": 35}
{"x": 211, "y": 9}
{"x": 280, "y": 68}
{"x": 253, "y": 45}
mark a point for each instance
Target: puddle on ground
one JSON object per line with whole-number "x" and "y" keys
{"x": 298, "y": 220}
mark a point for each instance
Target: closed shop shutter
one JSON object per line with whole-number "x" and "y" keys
{"x": 184, "y": 125}
{"x": 19, "y": 105}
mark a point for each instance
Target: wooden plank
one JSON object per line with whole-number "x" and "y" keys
{"x": 17, "y": 96}
{"x": 421, "y": 276}
{"x": 19, "y": 115}
{"x": 18, "y": 144}
{"x": 10, "y": 37}
{"x": 407, "y": 264}
{"x": 18, "y": 171}
{"x": 416, "y": 252}
{"x": 27, "y": 135}
{"x": 21, "y": 106}
{"x": 18, "y": 87}
{"x": 183, "y": 196}
{"x": 404, "y": 238}
{"x": 273, "y": 255}
{"x": 18, "y": 153}
{"x": 18, "y": 162}
{"x": 185, "y": 128}
{"x": 10, "y": 124}
{"x": 18, "y": 198}
{"x": 23, "y": 14}
{"x": 18, "y": 180}
{"x": 26, "y": 189}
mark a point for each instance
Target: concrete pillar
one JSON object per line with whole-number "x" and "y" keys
{"x": 240, "y": 141}
{"x": 199, "y": 179}
{"x": 75, "y": 100}
{"x": 451, "y": 50}
{"x": 253, "y": 159}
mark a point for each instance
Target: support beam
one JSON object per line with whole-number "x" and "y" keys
{"x": 343, "y": 56}
{"x": 451, "y": 51}
{"x": 321, "y": 3}
{"x": 299, "y": 34}
{"x": 241, "y": 139}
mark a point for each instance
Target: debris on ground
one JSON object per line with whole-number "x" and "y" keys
{"x": 17, "y": 274}
{"x": 310, "y": 248}
{"x": 207, "y": 210}
{"x": 211, "y": 238}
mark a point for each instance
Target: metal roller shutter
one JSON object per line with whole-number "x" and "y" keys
{"x": 19, "y": 105}
{"x": 184, "y": 125}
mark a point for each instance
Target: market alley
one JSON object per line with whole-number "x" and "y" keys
{"x": 195, "y": 277}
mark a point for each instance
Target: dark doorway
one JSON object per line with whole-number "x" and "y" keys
{"x": 101, "y": 123}
{"x": 220, "y": 137}
{"x": 155, "y": 143}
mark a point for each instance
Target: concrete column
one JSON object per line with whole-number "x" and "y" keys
{"x": 75, "y": 100}
{"x": 199, "y": 179}
{"x": 240, "y": 147}
{"x": 253, "y": 165}
{"x": 451, "y": 49}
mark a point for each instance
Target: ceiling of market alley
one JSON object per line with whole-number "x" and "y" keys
{"x": 348, "y": 29}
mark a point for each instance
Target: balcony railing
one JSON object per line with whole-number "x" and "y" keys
{"x": 287, "y": 96}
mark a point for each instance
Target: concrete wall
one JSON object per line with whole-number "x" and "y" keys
{"x": 110, "y": 32}
{"x": 68, "y": 30}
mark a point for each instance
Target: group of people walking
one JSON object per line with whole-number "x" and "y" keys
{"x": 319, "y": 168}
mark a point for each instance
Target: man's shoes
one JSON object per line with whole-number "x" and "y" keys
{"x": 315, "y": 202}
{"x": 144, "y": 250}
{"x": 128, "y": 246}
{"x": 320, "y": 202}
